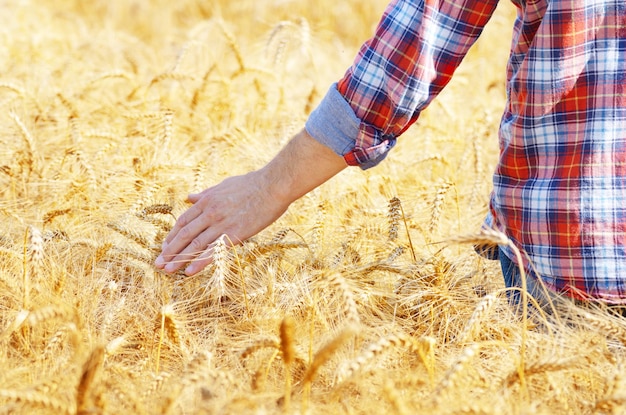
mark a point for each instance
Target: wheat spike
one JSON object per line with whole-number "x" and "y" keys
{"x": 49, "y": 216}
{"x": 75, "y": 135}
{"x": 614, "y": 397}
{"x": 125, "y": 231}
{"x": 90, "y": 370}
{"x": 169, "y": 76}
{"x": 396, "y": 212}
{"x": 35, "y": 247}
{"x": 326, "y": 352}
{"x": 484, "y": 237}
{"x": 288, "y": 352}
{"x": 13, "y": 87}
{"x": 145, "y": 199}
{"x": 160, "y": 208}
{"x": 162, "y": 148}
{"x": 28, "y": 140}
{"x": 260, "y": 344}
{"x": 34, "y": 399}
{"x": 310, "y": 100}
{"x": 481, "y": 310}
{"x": 317, "y": 243}
{"x": 220, "y": 260}
{"x": 172, "y": 325}
{"x": 274, "y": 37}
{"x": 391, "y": 394}
{"x": 197, "y": 367}
{"x": 198, "y": 176}
{"x": 87, "y": 170}
{"x": 230, "y": 39}
{"x": 55, "y": 341}
{"x": 286, "y": 340}
{"x": 115, "y": 345}
{"x": 552, "y": 364}
{"x": 375, "y": 350}
{"x": 451, "y": 376}
{"x": 606, "y": 326}
{"x": 195, "y": 100}
{"x": 337, "y": 281}
{"x": 437, "y": 204}
{"x": 394, "y": 218}
{"x": 47, "y": 313}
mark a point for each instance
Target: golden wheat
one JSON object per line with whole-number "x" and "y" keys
{"x": 114, "y": 112}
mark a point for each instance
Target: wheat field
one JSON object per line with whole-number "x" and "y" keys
{"x": 366, "y": 297}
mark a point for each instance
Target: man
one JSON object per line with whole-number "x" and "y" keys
{"x": 560, "y": 183}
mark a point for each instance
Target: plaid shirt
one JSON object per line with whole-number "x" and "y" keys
{"x": 560, "y": 183}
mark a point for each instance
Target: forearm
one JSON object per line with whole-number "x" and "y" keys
{"x": 301, "y": 166}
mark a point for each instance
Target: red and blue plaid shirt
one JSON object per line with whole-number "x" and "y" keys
{"x": 560, "y": 183}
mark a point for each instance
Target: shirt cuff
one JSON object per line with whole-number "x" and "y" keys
{"x": 334, "y": 124}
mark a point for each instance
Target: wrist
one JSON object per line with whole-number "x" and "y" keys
{"x": 300, "y": 167}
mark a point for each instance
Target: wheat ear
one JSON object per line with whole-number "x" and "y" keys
{"x": 35, "y": 399}
{"x": 90, "y": 370}
{"x": 394, "y": 218}
{"x": 325, "y": 353}
{"x": 28, "y": 140}
{"x": 451, "y": 376}
{"x": 260, "y": 344}
{"x": 481, "y": 310}
{"x": 338, "y": 282}
{"x": 491, "y": 236}
{"x": 437, "y": 205}
{"x": 288, "y": 351}
{"x": 230, "y": 39}
{"x": 374, "y": 350}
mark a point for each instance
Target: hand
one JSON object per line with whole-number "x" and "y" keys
{"x": 238, "y": 207}
{"x": 242, "y": 206}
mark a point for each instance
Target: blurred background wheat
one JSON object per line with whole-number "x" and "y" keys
{"x": 365, "y": 297}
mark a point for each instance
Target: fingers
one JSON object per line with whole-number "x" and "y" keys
{"x": 186, "y": 219}
{"x": 201, "y": 261}
{"x": 189, "y": 237}
{"x": 172, "y": 258}
{"x": 194, "y": 197}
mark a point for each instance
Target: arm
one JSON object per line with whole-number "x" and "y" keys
{"x": 416, "y": 48}
{"x": 413, "y": 54}
{"x": 242, "y": 206}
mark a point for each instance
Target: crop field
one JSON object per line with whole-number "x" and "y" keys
{"x": 365, "y": 297}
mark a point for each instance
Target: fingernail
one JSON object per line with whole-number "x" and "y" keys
{"x": 169, "y": 268}
{"x": 164, "y": 245}
{"x": 190, "y": 270}
{"x": 159, "y": 261}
